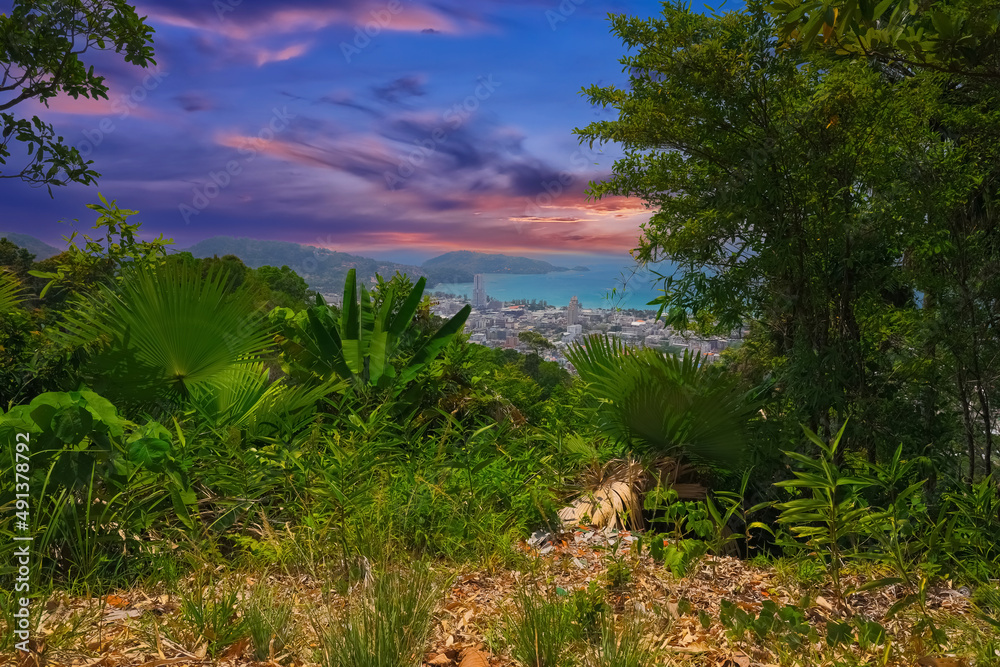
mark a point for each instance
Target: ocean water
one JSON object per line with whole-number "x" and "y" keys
{"x": 593, "y": 288}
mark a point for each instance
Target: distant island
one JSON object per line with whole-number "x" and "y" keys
{"x": 461, "y": 265}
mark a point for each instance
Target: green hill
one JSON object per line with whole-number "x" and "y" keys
{"x": 323, "y": 269}
{"x": 40, "y": 249}
{"x": 461, "y": 265}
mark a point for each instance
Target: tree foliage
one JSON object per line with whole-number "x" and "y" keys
{"x": 949, "y": 36}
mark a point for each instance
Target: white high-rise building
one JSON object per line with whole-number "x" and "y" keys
{"x": 478, "y": 291}
{"x": 573, "y": 312}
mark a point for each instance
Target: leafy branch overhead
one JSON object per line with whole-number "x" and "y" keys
{"x": 949, "y": 36}
{"x": 42, "y": 46}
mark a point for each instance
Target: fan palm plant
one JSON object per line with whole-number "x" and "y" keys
{"x": 166, "y": 329}
{"x": 665, "y": 404}
{"x": 670, "y": 408}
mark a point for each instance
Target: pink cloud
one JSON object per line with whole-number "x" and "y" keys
{"x": 496, "y": 238}
{"x": 344, "y": 171}
{"x": 81, "y": 106}
{"x": 265, "y": 56}
{"x": 115, "y": 106}
{"x": 563, "y": 220}
{"x": 301, "y": 19}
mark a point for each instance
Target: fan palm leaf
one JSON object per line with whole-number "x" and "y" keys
{"x": 169, "y": 327}
{"x": 11, "y": 292}
{"x": 667, "y": 403}
{"x": 243, "y": 397}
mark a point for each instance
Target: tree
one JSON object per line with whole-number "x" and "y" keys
{"x": 284, "y": 280}
{"x": 41, "y": 45}
{"x": 778, "y": 186}
{"x": 101, "y": 258}
{"x": 535, "y": 341}
{"x": 15, "y": 258}
{"x": 953, "y": 247}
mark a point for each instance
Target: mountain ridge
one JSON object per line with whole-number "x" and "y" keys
{"x": 323, "y": 269}
{"x": 40, "y": 249}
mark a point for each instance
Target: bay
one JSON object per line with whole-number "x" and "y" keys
{"x": 592, "y": 288}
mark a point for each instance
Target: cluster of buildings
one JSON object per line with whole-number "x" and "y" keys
{"x": 497, "y": 324}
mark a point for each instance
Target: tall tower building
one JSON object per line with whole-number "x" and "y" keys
{"x": 573, "y": 312}
{"x": 478, "y": 291}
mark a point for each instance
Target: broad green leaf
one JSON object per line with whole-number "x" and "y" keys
{"x": 150, "y": 453}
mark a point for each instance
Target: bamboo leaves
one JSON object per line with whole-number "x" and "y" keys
{"x": 829, "y": 509}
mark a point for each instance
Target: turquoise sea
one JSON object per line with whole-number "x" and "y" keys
{"x": 592, "y": 288}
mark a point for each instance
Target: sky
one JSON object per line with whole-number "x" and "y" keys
{"x": 395, "y": 129}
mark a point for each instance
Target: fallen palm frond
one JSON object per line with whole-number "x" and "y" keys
{"x": 613, "y": 493}
{"x": 612, "y": 496}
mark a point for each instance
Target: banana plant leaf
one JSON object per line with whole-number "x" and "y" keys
{"x": 363, "y": 346}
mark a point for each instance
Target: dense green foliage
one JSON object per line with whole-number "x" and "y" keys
{"x": 837, "y": 204}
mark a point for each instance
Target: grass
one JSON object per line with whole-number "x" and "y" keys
{"x": 387, "y": 625}
{"x": 213, "y": 618}
{"x": 540, "y": 630}
{"x": 621, "y": 648}
{"x": 268, "y": 623}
